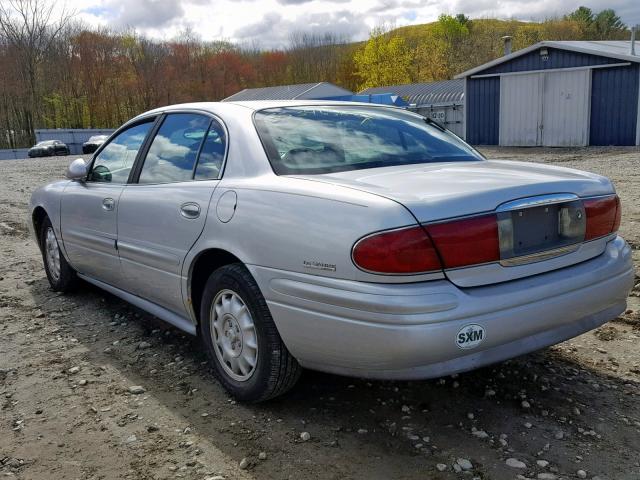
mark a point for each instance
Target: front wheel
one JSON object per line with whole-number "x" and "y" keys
{"x": 62, "y": 277}
{"x": 242, "y": 342}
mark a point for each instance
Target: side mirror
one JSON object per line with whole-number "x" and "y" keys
{"x": 77, "y": 170}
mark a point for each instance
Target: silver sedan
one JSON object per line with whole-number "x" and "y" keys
{"x": 349, "y": 238}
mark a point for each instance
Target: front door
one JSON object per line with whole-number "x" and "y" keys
{"x": 90, "y": 208}
{"x": 163, "y": 212}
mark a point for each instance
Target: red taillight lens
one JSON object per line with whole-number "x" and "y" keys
{"x": 404, "y": 251}
{"x": 467, "y": 242}
{"x": 603, "y": 216}
{"x": 616, "y": 221}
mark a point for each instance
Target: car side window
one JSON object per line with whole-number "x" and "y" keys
{"x": 114, "y": 162}
{"x": 212, "y": 153}
{"x": 174, "y": 150}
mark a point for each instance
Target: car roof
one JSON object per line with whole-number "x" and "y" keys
{"x": 246, "y": 108}
{"x": 254, "y": 105}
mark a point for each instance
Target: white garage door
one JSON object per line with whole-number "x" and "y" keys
{"x": 550, "y": 109}
{"x": 520, "y": 110}
{"x": 566, "y": 108}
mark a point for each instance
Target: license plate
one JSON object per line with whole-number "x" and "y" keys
{"x": 532, "y": 230}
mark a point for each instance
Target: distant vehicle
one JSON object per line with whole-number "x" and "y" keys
{"x": 48, "y": 148}
{"x": 349, "y": 238}
{"x": 94, "y": 143}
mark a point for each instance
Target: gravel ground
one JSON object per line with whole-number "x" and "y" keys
{"x": 68, "y": 409}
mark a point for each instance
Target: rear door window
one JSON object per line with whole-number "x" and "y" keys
{"x": 212, "y": 153}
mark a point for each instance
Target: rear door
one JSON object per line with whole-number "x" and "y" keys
{"x": 89, "y": 209}
{"x": 163, "y": 211}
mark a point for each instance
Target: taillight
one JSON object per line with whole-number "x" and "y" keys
{"x": 603, "y": 216}
{"x": 405, "y": 251}
{"x": 467, "y": 242}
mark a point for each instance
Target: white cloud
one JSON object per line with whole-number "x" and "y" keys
{"x": 269, "y": 23}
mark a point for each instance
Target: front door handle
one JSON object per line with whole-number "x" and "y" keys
{"x": 108, "y": 204}
{"x": 190, "y": 210}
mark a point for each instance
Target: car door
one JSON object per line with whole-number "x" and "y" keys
{"x": 162, "y": 211}
{"x": 89, "y": 208}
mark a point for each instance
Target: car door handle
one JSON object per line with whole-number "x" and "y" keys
{"x": 190, "y": 210}
{"x": 108, "y": 204}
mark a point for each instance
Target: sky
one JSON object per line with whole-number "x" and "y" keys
{"x": 269, "y": 23}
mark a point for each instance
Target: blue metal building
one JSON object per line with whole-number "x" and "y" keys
{"x": 568, "y": 93}
{"x": 441, "y": 101}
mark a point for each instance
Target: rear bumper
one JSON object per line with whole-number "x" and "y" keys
{"x": 408, "y": 331}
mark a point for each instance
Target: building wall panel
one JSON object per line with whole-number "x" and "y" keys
{"x": 483, "y": 110}
{"x": 614, "y": 106}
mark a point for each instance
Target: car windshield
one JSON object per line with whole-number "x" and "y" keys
{"x": 325, "y": 139}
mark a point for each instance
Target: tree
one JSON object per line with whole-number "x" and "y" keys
{"x": 607, "y": 23}
{"x": 603, "y": 25}
{"x": 446, "y": 51}
{"x": 582, "y": 15}
{"x": 30, "y": 28}
{"x": 384, "y": 60}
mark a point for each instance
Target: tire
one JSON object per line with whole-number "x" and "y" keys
{"x": 62, "y": 277}
{"x": 236, "y": 294}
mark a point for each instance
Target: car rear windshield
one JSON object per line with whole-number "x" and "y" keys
{"x": 325, "y": 139}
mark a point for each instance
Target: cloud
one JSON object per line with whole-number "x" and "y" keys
{"x": 540, "y": 10}
{"x": 144, "y": 13}
{"x": 270, "y": 23}
{"x": 274, "y": 30}
{"x": 300, "y": 2}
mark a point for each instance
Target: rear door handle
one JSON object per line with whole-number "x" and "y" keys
{"x": 108, "y": 204}
{"x": 190, "y": 210}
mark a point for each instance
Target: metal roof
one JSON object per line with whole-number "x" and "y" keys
{"x": 619, "y": 49}
{"x": 449, "y": 91}
{"x": 287, "y": 92}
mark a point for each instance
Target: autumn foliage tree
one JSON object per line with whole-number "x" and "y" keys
{"x": 384, "y": 60}
{"x": 57, "y": 73}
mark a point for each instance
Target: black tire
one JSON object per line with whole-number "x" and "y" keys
{"x": 67, "y": 279}
{"x": 275, "y": 371}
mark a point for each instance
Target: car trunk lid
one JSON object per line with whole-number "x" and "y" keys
{"x": 538, "y": 209}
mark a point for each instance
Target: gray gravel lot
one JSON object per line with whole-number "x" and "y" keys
{"x": 570, "y": 411}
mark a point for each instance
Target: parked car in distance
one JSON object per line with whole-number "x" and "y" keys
{"x": 48, "y": 148}
{"x": 93, "y": 143}
{"x": 349, "y": 238}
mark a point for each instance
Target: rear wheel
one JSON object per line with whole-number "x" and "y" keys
{"x": 242, "y": 342}
{"x": 62, "y": 277}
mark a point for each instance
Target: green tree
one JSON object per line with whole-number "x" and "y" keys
{"x": 607, "y": 23}
{"x": 384, "y": 60}
{"x": 446, "y": 51}
{"x": 582, "y": 15}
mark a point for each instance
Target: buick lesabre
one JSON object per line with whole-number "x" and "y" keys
{"x": 349, "y": 238}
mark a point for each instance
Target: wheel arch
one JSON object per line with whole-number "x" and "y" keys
{"x": 202, "y": 266}
{"x": 37, "y": 218}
